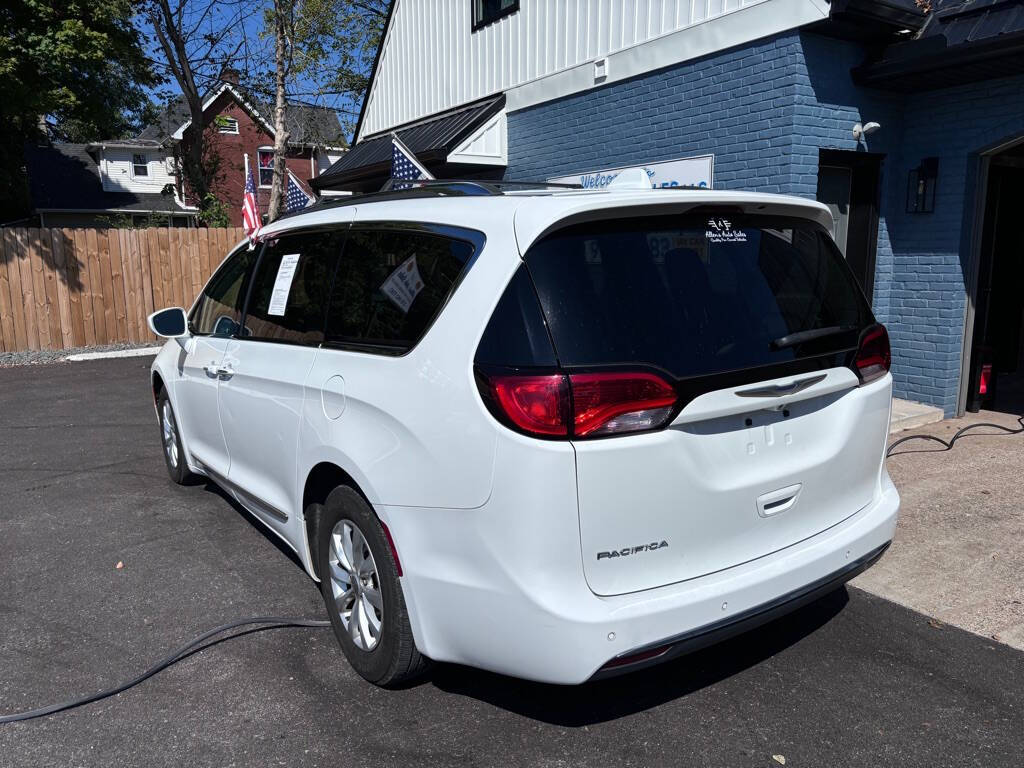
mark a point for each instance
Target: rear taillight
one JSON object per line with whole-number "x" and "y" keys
{"x": 581, "y": 404}
{"x": 538, "y": 405}
{"x": 612, "y": 403}
{"x": 873, "y": 355}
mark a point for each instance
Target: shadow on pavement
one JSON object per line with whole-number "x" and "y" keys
{"x": 604, "y": 700}
{"x": 211, "y": 487}
{"x": 591, "y": 703}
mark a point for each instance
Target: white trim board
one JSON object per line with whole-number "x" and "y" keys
{"x": 179, "y": 134}
{"x": 487, "y": 146}
{"x": 741, "y": 26}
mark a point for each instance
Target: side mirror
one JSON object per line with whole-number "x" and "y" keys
{"x": 169, "y": 323}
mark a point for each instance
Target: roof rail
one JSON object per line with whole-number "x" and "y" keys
{"x": 429, "y": 188}
{"x": 473, "y": 186}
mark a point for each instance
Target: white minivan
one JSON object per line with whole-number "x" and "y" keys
{"x": 557, "y": 434}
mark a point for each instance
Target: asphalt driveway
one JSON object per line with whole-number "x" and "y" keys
{"x": 851, "y": 680}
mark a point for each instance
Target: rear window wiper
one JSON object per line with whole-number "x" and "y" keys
{"x": 800, "y": 337}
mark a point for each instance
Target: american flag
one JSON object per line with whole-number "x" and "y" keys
{"x": 404, "y": 165}
{"x": 296, "y": 199}
{"x": 250, "y": 210}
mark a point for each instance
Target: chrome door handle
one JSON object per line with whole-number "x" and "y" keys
{"x": 222, "y": 372}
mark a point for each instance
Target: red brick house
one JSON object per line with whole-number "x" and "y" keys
{"x": 93, "y": 184}
{"x": 240, "y": 127}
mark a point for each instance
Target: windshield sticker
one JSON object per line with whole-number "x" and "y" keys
{"x": 721, "y": 231}
{"x": 404, "y": 284}
{"x": 283, "y": 284}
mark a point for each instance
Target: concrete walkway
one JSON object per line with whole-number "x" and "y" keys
{"x": 958, "y": 555}
{"x": 906, "y": 414}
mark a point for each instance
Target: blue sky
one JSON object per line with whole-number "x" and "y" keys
{"x": 241, "y": 23}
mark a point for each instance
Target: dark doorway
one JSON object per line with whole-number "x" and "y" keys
{"x": 997, "y": 348}
{"x": 848, "y": 184}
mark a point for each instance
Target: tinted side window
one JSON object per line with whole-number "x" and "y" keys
{"x": 390, "y": 286}
{"x": 290, "y": 287}
{"x": 219, "y": 309}
{"x": 516, "y": 335}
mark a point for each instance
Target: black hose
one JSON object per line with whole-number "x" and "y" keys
{"x": 178, "y": 655}
{"x": 960, "y": 433}
{"x": 280, "y": 621}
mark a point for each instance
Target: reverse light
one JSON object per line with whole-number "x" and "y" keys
{"x": 874, "y": 356}
{"x": 582, "y": 404}
{"x": 612, "y": 403}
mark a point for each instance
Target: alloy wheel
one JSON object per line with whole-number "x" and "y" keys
{"x": 170, "y": 434}
{"x": 355, "y": 585}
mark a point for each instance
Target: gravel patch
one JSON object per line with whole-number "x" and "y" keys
{"x": 49, "y": 356}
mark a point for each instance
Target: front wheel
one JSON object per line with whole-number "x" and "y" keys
{"x": 170, "y": 439}
{"x": 360, "y": 586}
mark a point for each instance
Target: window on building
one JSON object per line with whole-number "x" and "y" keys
{"x": 266, "y": 157}
{"x": 390, "y": 286}
{"x": 488, "y": 11}
{"x": 227, "y": 124}
{"x": 140, "y": 167}
{"x": 289, "y": 288}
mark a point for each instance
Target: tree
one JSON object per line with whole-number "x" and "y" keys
{"x": 74, "y": 70}
{"x": 195, "y": 41}
{"x": 282, "y": 17}
{"x": 322, "y": 49}
{"x": 335, "y": 45}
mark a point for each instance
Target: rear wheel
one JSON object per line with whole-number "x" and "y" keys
{"x": 170, "y": 439}
{"x": 360, "y": 586}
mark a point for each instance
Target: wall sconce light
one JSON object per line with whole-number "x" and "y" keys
{"x": 921, "y": 183}
{"x": 860, "y": 131}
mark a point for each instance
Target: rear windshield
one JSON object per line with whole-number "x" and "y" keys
{"x": 696, "y": 295}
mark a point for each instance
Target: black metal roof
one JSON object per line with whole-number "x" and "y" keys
{"x": 871, "y": 21}
{"x": 431, "y": 140}
{"x": 961, "y": 42}
{"x": 66, "y": 177}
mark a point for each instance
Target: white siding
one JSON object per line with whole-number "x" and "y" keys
{"x": 325, "y": 159}
{"x": 117, "y": 175}
{"x": 432, "y": 61}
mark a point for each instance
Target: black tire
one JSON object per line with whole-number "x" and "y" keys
{"x": 394, "y": 659}
{"x": 177, "y": 464}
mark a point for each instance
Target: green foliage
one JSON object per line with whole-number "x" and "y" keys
{"x": 79, "y": 64}
{"x": 213, "y": 212}
{"x": 334, "y": 47}
{"x": 127, "y": 221}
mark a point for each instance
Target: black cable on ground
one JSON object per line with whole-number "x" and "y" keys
{"x": 960, "y": 433}
{"x": 273, "y": 621}
{"x": 286, "y": 621}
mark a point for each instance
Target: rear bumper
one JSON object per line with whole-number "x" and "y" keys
{"x": 481, "y": 592}
{"x": 702, "y": 637}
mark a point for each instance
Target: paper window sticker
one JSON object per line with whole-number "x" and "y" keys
{"x": 283, "y": 284}
{"x": 404, "y": 284}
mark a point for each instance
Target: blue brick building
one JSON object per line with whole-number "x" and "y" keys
{"x": 924, "y": 203}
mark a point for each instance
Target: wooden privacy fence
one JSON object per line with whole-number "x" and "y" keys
{"x": 63, "y": 288}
